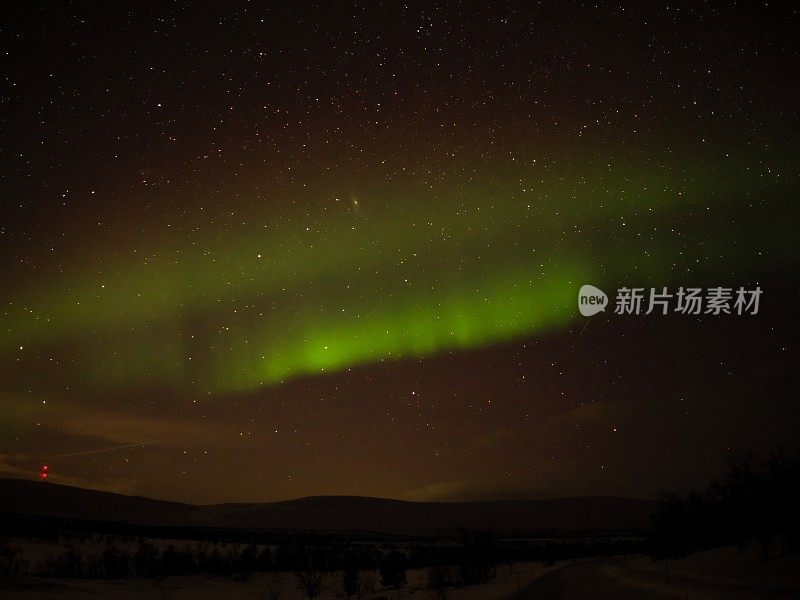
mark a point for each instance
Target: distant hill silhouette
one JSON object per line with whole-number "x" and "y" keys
{"x": 333, "y": 513}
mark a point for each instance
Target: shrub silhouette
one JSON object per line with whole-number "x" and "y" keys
{"x": 311, "y": 582}
{"x": 439, "y": 578}
{"x": 350, "y": 577}
{"x": 393, "y": 569}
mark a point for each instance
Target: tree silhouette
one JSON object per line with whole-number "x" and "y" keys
{"x": 311, "y": 582}
{"x": 439, "y": 578}
{"x": 750, "y": 505}
{"x": 350, "y": 577}
{"x": 393, "y": 569}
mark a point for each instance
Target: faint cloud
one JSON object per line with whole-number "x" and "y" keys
{"x": 468, "y": 491}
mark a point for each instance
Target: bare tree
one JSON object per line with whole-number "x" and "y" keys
{"x": 439, "y": 578}
{"x": 357, "y": 584}
{"x": 273, "y": 587}
{"x": 311, "y": 582}
{"x": 365, "y": 586}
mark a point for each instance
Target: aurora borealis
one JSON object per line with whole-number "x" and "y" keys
{"x": 290, "y": 301}
{"x": 340, "y": 247}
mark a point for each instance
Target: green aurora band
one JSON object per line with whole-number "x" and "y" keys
{"x": 493, "y": 259}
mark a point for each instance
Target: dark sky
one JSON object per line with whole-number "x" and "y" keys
{"x": 255, "y": 252}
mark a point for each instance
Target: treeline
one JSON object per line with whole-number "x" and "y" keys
{"x": 11, "y": 560}
{"x": 149, "y": 560}
{"x": 467, "y": 559}
{"x": 752, "y": 504}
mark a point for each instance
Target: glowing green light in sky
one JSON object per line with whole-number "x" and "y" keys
{"x": 409, "y": 274}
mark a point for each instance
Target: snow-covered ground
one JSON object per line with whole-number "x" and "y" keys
{"x": 507, "y": 582}
{"x": 722, "y": 574}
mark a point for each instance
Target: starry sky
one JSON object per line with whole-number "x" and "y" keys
{"x": 261, "y": 251}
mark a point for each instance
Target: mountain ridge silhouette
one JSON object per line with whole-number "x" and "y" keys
{"x": 332, "y": 513}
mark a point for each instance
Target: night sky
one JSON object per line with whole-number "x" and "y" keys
{"x": 261, "y": 251}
